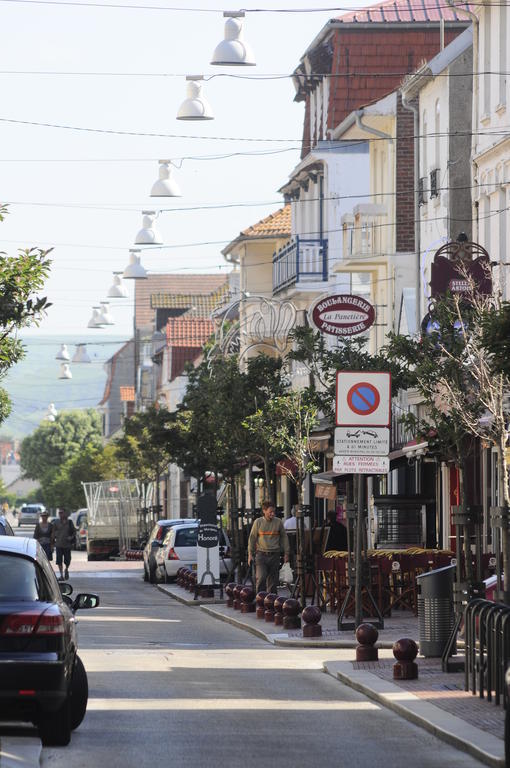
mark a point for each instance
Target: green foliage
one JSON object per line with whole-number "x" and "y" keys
{"x": 148, "y": 444}
{"x": 21, "y": 277}
{"x": 48, "y": 453}
{"x": 64, "y": 487}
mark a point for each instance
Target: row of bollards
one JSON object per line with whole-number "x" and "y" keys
{"x": 270, "y": 607}
{"x": 404, "y": 651}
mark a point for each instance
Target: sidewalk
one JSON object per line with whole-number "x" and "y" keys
{"x": 436, "y": 701}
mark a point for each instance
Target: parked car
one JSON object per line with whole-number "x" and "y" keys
{"x": 30, "y": 514}
{"x": 5, "y": 528}
{"x": 42, "y": 679}
{"x": 154, "y": 542}
{"x": 79, "y": 519}
{"x": 180, "y": 549}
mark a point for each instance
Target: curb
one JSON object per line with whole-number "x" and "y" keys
{"x": 191, "y": 603}
{"x": 236, "y": 623}
{"x": 449, "y": 728}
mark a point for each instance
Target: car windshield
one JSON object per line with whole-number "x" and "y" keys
{"x": 18, "y": 578}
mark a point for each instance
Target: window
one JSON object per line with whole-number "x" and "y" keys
{"x": 422, "y": 191}
{"x": 425, "y": 138}
{"x": 18, "y": 579}
{"x": 186, "y": 537}
{"x": 487, "y": 61}
{"x": 437, "y": 135}
{"x": 434, "y": 183}
{"x": 502, "y": 54}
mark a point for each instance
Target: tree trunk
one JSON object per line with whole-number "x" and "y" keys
{"x": 504, "y": 501}
{"x": 467, "y": 529}
{"x": 300, "y": 542}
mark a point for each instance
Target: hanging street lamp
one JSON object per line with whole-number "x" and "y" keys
{"x": 62, "y": 354}
{"x": 233, "y": 51}
{"x": 165, "y": 186}
{"x": 195, "y": 106}
{"x": 117, "y": 290}
{"x": 148, "y": 235}
{"x": 134, "y": 270}
{"x": 65, "y": 371}
{"x": 81, "y": 355}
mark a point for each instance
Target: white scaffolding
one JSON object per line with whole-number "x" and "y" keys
{"x": 113, "y": 507}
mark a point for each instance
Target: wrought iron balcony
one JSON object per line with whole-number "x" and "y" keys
{"x": 300, "y": 261}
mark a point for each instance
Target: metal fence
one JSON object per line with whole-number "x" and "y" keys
{"x": 487, "y": 638}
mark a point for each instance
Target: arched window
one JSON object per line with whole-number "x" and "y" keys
{"x": 424, "y": 142}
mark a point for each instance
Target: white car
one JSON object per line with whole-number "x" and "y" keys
{"x": 180, "y": 549}
{"x": 30, "y": 514}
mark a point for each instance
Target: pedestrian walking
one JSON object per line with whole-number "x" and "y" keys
{"x": 64, "y": 536}
{"x": 43, "y": 532}
{"x": 266, "y": 542}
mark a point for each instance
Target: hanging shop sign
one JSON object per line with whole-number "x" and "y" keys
{"x": 342, "y": 314}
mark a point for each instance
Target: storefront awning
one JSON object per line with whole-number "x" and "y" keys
{"x": 325, "y": 478}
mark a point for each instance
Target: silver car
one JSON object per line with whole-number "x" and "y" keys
{"x": 30, "y": 514}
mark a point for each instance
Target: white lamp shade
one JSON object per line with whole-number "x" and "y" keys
{"x": 134, "y": 270}
{"x": 95, "y": 320}
{"x": 195, "y": 106}
{"x": 233, "y": 51}
{"x": 65, "y": 372}
{"x": 148, "y": 235}
{"x": 52, "y": 411}
{"x": 62, "y": 354}
{"x": 81, "y": 355}
{"x": 165, "y": 186}
{"x": 117, "y": 290}
{"x": 49, "y": 417}
{"x": 106, "y": 316}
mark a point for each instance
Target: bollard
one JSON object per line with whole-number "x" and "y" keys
{"x": 192, "y": 581}
{"x": 260, "y": 604}
{"x": 237, "y": 597}
{"x": 278, "y": 610}
{"x": 405, "y": 651}
{"x": 269, "y": 606}
{"x": 312, "y": 616}
{"x": 206, "y": 591}
{"x": 291, "y": 610}
{"x": 229, "y": 591}
{"x": 366, "y": 635}
{"x": 182, "y": 578}
{"x": 247, "y": 596}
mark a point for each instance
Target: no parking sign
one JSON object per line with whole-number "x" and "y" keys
{"x": 363, "y": 398}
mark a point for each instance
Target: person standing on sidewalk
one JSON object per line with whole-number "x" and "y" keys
{"x": 64, "y": 536}
{"x": 266, "y": 542}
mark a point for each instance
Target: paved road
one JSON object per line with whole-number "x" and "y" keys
{"x": 171, "y": 686}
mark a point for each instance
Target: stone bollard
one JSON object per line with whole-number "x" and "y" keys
{"x": 366, "y": 635}
{"x": 260, "y": 604}
{"x": 237, "y": 597}
{"x": 206, "y": 590}
{"x": 187, "y": 578}
{"x": 192, "y": 581}
{"x": 291, "y": 610}
{"x": 269, "y": 606}
{"x": 405, "y": 652}
{"x": 312, "y": 616}
{"x": 278, "y": 610}
{"x": 180, "y": 577}
{"x": 247, "y": 600}
{"x": 229, "y": 591}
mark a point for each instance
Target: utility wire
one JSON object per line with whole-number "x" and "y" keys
{"x": 179, "y": 9}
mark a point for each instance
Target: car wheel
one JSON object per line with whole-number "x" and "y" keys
{"x": 168, "y": 579}
{"x": 55, "y": 727}
{"x": 79, "y": 693}
{"x": 145, "y": 574}
{"x": 152, "y": 572}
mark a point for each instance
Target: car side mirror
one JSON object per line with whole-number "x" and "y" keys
{"x": 85, "y": 600}
{"x": 156, "y": 544}
{"x": 65, "y": 588}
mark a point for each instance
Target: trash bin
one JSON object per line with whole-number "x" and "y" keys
{"x": 435, "y": 609}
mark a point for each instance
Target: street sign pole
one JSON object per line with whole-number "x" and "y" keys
{"x": 358, "y": 596}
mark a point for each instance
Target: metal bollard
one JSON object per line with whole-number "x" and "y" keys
{"x": 291, "y": 619}
{"x": 405, "y": 651}
{"x": 247, "y": 596}
{"x": 311, "y": 616}
{"x": 269, "y": 606}
{"x": 366, "y": 635}
{"x": 259, "y": 600}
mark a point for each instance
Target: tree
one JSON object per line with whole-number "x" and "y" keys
{"x": 21, "y": 277}
{"x": 46, "y": 451}
{"x": 148, "y": 444}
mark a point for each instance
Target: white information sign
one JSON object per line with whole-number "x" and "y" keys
{"x": 363, "y": 398}
{"x": 361, "y": 465}
{"x": 362, "y": 441}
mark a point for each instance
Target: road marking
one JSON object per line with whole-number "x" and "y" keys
{"x": 312, "y": 705}
{"x": 20, "y": 752}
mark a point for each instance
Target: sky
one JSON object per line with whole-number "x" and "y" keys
{"x": 82, "y": 192}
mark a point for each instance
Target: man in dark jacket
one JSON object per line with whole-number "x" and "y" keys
{"x": 63, "y": 537}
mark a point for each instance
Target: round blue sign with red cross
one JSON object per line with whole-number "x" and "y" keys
{"x": 363, "y": 398}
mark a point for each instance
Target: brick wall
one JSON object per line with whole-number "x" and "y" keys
{"x": 404, "y": 208}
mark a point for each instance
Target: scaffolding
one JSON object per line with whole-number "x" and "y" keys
{"x": 113, "y": 511}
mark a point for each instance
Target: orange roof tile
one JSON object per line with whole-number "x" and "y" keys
{"x": 395, "y": 11}
{"x": 190, "y": 332}
{"x": 277, "y": 224}
{"x": 171, "y": 284}
{"x": 127, "y": 394}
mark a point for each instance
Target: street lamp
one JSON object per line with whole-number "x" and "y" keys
{"x": 134, "y": 270}
{"x": 148, "y": 234}
{"x": 106, "y": 316}
{"x": 233, "y": 51}
{"x": 117, "y": 290}
{"x": 81, "y": 355}
{"x": 195, "y": 106}
{"x": 65, "y": 372}
{"x": 95, "y": 320}
{"x": 165, "y": 186}
{"x": 62, "y": 354}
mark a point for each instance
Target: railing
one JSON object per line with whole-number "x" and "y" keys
{"x": 301, "y": 260}
{"x": 487, "y": 636}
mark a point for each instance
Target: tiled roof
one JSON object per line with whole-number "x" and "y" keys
{"x": 171, "y": 284}
{"x": 405, "y": 11}
{"x": 199, "y": 304}
{"x": 277, "y": 223}
{"x": 127, "y": 394}
{"x": 188, "y": 332}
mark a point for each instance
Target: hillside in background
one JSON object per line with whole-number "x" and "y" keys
{"x": 33, "y": 383}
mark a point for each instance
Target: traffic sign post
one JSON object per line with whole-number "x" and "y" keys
{"x": 363, "y": 398}
{"x": 362, "y": 441}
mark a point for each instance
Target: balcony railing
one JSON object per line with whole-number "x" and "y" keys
{"x": 300, "y": 261}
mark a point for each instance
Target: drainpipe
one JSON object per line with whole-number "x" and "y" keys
{"x": 417, "y": 239}
{"x": 368, "y": 128}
